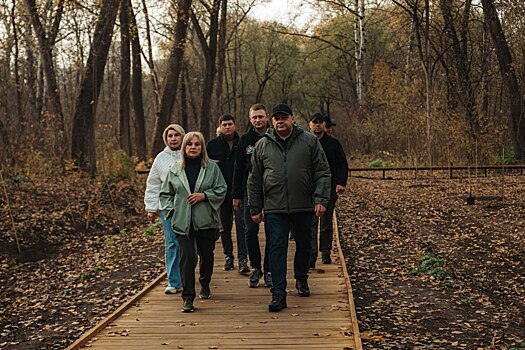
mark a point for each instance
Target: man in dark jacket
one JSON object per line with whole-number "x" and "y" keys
{"x": 258, "y": 126}
{"x": 339, "y": 170}
{"x": 290, "y": 181}
{"x": 222, "y": 149}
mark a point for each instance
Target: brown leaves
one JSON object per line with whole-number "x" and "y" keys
{"x": 387, "y": 227}
{"x": 70, "y": 278}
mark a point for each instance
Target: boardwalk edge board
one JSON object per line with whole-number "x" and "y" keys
{"x": 351, "y": 304}
{"x": 80, "y": 342}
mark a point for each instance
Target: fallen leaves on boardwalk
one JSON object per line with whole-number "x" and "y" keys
{"x": 429, "y": 271}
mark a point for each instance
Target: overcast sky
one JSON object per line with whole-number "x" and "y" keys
{"x": 285, "y": 11}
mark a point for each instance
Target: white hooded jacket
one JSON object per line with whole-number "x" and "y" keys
{"x": 159, "y": 170}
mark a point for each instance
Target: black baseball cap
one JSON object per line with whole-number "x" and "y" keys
{"x": 329, "y": 122}
{"x": 317, "y": 116}
{"x": 281, "y": 108}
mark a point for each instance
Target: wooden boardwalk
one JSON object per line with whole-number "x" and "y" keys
{"x": 236, "y": 316}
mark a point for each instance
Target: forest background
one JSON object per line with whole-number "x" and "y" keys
{"x": 417, "y": 82}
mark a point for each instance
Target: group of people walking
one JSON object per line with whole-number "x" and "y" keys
{"x": 275, "y": 173}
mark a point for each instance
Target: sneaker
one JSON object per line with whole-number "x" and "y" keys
{"x": 205, "y": 293}
{"x": 187, "y": 305}
{"x": 172, "y": 290}
{"x": 302, "y": 288}
{"x": 268, "y": 282}
{"x": 243, "y": 267}
{"x": 278, "y": 303}
{"x": 326, "y": 257}
{"x": 255, "y": 277}
{"x": 228, "y": 264}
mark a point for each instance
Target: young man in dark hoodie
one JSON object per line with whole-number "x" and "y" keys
{"x": 339, "y": 171}
{"x": 258, "y": 125}
{"x": 222, "y": 149}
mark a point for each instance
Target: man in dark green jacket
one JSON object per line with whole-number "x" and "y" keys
{"x": 289, "y": 183}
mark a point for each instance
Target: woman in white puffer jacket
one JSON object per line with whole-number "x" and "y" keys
{"x": 172, "y": 136}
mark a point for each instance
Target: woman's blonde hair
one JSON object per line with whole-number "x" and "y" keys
{"x": 204, "y": 155}
{"x": 175, "y": 127}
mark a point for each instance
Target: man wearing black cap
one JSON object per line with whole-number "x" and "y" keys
{"x": 339, "y": 170}
{"x": 328, "y": 125}
{"x": 290, "y": 181}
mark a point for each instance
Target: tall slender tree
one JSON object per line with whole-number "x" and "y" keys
{"x": 46, "y": 43}
{"x": 83, "y": 145}
{"x": 136, "y": 88}
{"x": 508, "y": 74}
{"x": 208, "y": 44}
{"x": 125, "y": 77}
{"x": 175, "y": 63}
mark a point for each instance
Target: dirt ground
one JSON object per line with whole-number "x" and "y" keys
{"x": 428, "y": 271}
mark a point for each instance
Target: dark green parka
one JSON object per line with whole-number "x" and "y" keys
{"x": 291, "y": 178}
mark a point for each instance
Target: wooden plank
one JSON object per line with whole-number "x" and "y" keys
{"x": 237, "y": 317}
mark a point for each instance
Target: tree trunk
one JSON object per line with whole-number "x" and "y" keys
{"x": 84, "y": 119}
{"x": 209, "y": 50}
{"x": 136, "y": 90}
{"x": 464, "y": 90}
{"x": 173, "y": 75}
{"x": 125, "y": 77}
{"x": 221, "y": 58}
{"x": 183, "y": 102}
{"x": 149, "y": 61}
{"x": 18, "y": 87}
{"x": 46, "y": 43}
{"x": 508, "y": 74}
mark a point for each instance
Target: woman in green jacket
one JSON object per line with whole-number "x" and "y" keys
{"x": 191, "y": 198}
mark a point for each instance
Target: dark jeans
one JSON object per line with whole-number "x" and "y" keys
{"x": 226, "y": 234}
{"x": 326, "y": 231}
{"x": 278, "y": 228}
{"x": 197, "y": 244}
{"x": 252, "y": 240}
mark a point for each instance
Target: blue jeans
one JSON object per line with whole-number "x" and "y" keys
{"x": 278, "y": 226}
{"x": 172, "y": 253}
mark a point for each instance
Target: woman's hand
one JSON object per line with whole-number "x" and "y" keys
{"x": 152, "y": 216}
{"x": 195, "y": 198}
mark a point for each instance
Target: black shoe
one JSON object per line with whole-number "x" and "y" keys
{"x": 243, "y": 267}
{"x": 326, "y": 257}
{"x": 205, "y": 293}
{"x": 312, "y": 262}
{"x": 187, "y": 305}
{"x": 254, "y": 278}
{"x": 302, "y": 288}
{"x": 278, "y": 303}
{"x": 228, "y": 264}
{"x": 268, "y": 282}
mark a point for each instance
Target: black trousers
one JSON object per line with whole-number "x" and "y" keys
{"x": 326, "y": 230}
{"x": 252, "y": 240}
{"x": 198, "y": 244}
{"x": 227, "y": 216}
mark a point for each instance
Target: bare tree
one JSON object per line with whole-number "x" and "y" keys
{"x": 175, "y": 63}
{"x": 46, "y": 43}
{"x": 83, "y": 148}
{"x": 508, "y": 74}
{"x": 125, "y": 77}
{"x": 136, "y": 89}
{"x": 209, "y": 50}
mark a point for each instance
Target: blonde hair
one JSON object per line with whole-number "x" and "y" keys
{"x": 204, "y": 154}
{"x": 175, "y": 127}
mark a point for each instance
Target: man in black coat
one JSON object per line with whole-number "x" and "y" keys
{"x": 259, "y": 118}
{"x": 339, "y": 170}
{"x": 222, "y": 149}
